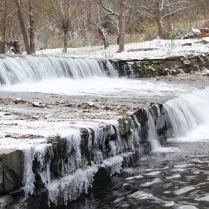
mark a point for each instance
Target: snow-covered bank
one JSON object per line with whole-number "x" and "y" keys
{"x": 156, "y": 48}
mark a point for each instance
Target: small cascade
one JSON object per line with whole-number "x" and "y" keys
{"x": 152, "y": 132}
{"x": 19, "y": 69}
{"x": 68, "y": 164}
{"x": 187, "y": 112}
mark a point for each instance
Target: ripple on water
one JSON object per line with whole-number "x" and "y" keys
{"x": 152, "y": 174}
{"x": 184, "y": 190}
{"x": 187, "y": 207}
{"x": 126, "y": 205}
{"x": 148, "y": 184}
{"x": 183, "y": 165}
{"x": 118, "y": 200}
{"x": 134, "y": 177}
{"x": 204, "y": 198}
{"x": 141, "y": 195}
{"x": 169, "y": 204}
{"x": 174, "y": 176}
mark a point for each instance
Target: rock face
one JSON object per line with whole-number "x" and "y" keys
{"x": 68, "y": 166}
{"x": 11, "y": 170}
{"x": 161, "y": 67}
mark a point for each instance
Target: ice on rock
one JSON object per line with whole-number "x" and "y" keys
{"x": 114, "y": 163}
{"x": 70, "y": 187}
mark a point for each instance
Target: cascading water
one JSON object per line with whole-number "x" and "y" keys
{"x": 68, "y": 164}
{"x": 152, "y": 133}
{"x": 76, "y": 179}
{"x": 21, "y": 69}
{"x": 176, "y": 178}
{"x": 187, "y": 113}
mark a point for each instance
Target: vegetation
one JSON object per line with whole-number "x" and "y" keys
{"x": 75, "y": 23}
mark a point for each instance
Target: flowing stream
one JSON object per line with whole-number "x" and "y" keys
{"x": 174, "y": 176}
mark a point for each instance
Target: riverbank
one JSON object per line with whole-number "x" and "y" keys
{"x": 154, "y": 49}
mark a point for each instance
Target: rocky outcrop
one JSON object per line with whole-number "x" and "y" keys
{"x": 160, "y": 67}
{"x": 68, "y": 166}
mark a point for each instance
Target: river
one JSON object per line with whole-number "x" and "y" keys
{"x": 173, "y": 176}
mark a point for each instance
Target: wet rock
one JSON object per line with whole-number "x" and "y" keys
{"x": 162, "y": 67}
{"x": 38, "y": 104}
{"x": 11, "y": 169}
{"x": 125, "y": 126}
{"x": 100, "y": 177}
{"x": 5, "y": 200}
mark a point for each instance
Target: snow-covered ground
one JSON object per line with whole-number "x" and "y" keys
{"x": 156, "y": 48}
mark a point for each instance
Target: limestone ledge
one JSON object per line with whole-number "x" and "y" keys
{"x": 109, "y": 147}
{"x": 171, "y": 65}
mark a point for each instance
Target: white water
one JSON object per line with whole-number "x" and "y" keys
{"x": 21, "y": 69}
{"x": 188, "y": 115}
{"x": 152, "y": 134}
{"x": 80, "y": 76}
{"x": 101, "y": 87}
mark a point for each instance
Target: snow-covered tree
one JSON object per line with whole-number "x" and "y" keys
{"x": 119, "y": 12}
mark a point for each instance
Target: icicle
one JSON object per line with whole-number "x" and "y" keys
{"x": 70, "y": 187}
{"x": 114, "y": 164}
{"x": 28, "y": 176}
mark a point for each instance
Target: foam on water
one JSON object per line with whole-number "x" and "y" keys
{"x": 101, "y": 87}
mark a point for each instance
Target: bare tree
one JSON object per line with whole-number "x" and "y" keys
{"x": 64, "y": 14}
{"x": 119, "y": 23}
{"x": 23, "y": 28}
{"x": 31, "y": 30}
{"x": 28, "y": 39}
{"x": 3, "y": 25}
{"x": 122, "y": 26}
{"x": 103, "y": 34}
{"x": 159, "y": 9}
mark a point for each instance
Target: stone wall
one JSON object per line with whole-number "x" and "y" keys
{"x": 161, "y": 67}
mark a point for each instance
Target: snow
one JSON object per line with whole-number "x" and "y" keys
{"x": 196, "y": 31}
{"x": 21, "y": 130}
{"x": 156, "y": 48}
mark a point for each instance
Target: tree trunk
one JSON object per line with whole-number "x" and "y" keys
{"x": 32, "y": 43}
{"x": 121, "y": 38}
{"x": 159, "y": 20}
{"x": 24, "y": 32}
{"x": 3, "y": 41}
{"x": 104, "y": 36}
{"x": 160, "y": 28}
{"x": 65, "y": 40}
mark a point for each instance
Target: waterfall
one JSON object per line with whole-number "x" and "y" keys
{"x": 186, "y": 113}
{"x": 152, "y": 133}
{"x": 19, "y": 69}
